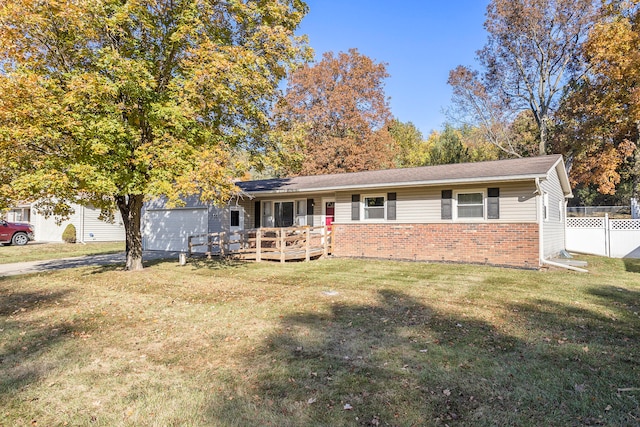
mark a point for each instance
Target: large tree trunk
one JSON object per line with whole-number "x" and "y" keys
{"x": 131, "y": 210}
{"x": 544, "y": 135}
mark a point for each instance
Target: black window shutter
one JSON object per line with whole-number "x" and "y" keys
{"x": 446, "y": 205}
{"x": 257, "y": 215}
{"x": 391, "y": 206}
{"x": 310, "y": 212}
{"x": 355, "y": 207}
{"x": 493, "y": 203}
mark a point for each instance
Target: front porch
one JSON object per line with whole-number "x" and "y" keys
{"x": 261, "y": 244}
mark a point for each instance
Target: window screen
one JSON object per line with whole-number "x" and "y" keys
{"x": 374, "y": 207}
{"x": 470, "y": 205}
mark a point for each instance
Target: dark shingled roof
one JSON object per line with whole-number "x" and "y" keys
{"x": 499, "y": 170}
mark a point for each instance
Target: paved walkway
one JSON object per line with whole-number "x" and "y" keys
{"x": 83, "y": 261}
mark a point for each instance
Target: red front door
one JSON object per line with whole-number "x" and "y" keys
{"x": 329, "y": 212}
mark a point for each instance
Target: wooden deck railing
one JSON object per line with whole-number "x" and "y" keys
{"x": 282, "y": 244}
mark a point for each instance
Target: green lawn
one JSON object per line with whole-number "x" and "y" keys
{"x": 327, "y": 343}
{"x": 44, "y": 251}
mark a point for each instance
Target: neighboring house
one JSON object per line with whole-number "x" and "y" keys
{"x": 20, "y": 213}
{"x": 89, "y": 228}
{"x": 506, "y": 212}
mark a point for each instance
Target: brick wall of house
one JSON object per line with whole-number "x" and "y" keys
{"x": 506, "y": 244}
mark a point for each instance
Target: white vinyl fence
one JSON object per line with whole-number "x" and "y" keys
{"x": 615, "y": 238}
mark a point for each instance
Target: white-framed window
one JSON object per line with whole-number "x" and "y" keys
{"x": 236, "y": 218}
{"x": 545, "y": 206}
{"x": 301, "y": 212}
{"x": 267, "y": 214}
{"x": 284, "y": 213}
{"x": 560, "y": 210}
{"x": 373, "y": 206}
{"x": 469, "y": 204}
{"x": 19, "y": 215}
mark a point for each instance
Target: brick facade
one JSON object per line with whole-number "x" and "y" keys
{"x": 507, "y": 244}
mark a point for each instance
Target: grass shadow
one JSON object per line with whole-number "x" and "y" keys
{"x": 24, "y": 342}
{"x": 401, "y": 362}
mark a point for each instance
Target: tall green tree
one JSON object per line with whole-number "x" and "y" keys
{"x": 340, "y": 105}
{"x": 109, "y": 102}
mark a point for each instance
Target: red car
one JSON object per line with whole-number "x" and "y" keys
{"x": 12, "y": 233}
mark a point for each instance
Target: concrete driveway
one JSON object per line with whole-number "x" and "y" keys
{"x": 83, "y": 261}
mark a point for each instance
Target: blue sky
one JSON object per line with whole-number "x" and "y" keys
{"x": 419, "y": 40}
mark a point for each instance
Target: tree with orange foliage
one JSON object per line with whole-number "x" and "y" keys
{"x": 601, "y": 116}
{"x": 341, "y": 105}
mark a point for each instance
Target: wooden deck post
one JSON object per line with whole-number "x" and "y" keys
{"x": 283, "y": 245}
{"x": 325, "y": 234}
{"x": 258, "y": 245}
{"x": 209, "y": 246}
{"x": 189, "y": 245}
{"x": 307, "y": 236}
{"x": 222, "y": 240}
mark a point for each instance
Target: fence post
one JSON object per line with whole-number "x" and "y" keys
{"x": 307, "y": 236}
{"x": 258, "y": 245}
{"x": 189, "y": 245}
{"x": 283, "y": 245}
{"x": 209, "y": 246}
{"x": 325, "y": 235}
{"x": 607, "y": 236}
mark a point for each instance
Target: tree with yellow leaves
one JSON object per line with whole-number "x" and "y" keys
{"x": 113, "y": 101}
{"x": 600, "y": 117}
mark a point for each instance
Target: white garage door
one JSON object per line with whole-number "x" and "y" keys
{"x": 168, "y": 230}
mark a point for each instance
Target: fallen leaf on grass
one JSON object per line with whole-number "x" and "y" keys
{"x": 312, "y": 400}
{"x": 347, "y": 407}
{"x": 446, "y": 392}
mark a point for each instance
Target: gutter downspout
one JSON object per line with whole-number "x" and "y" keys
{"x": 543, "y": 261}
{"x": 539, "y": 206}
{"x": 568, "y": 267}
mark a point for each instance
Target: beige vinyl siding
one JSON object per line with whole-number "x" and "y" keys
{"x": 554, "y": 227}
{"x": 518, "y": 202}
{"x": 423, "y": 204}
{"x": 249, "y": 213}
{"x": 343, "y": 207}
